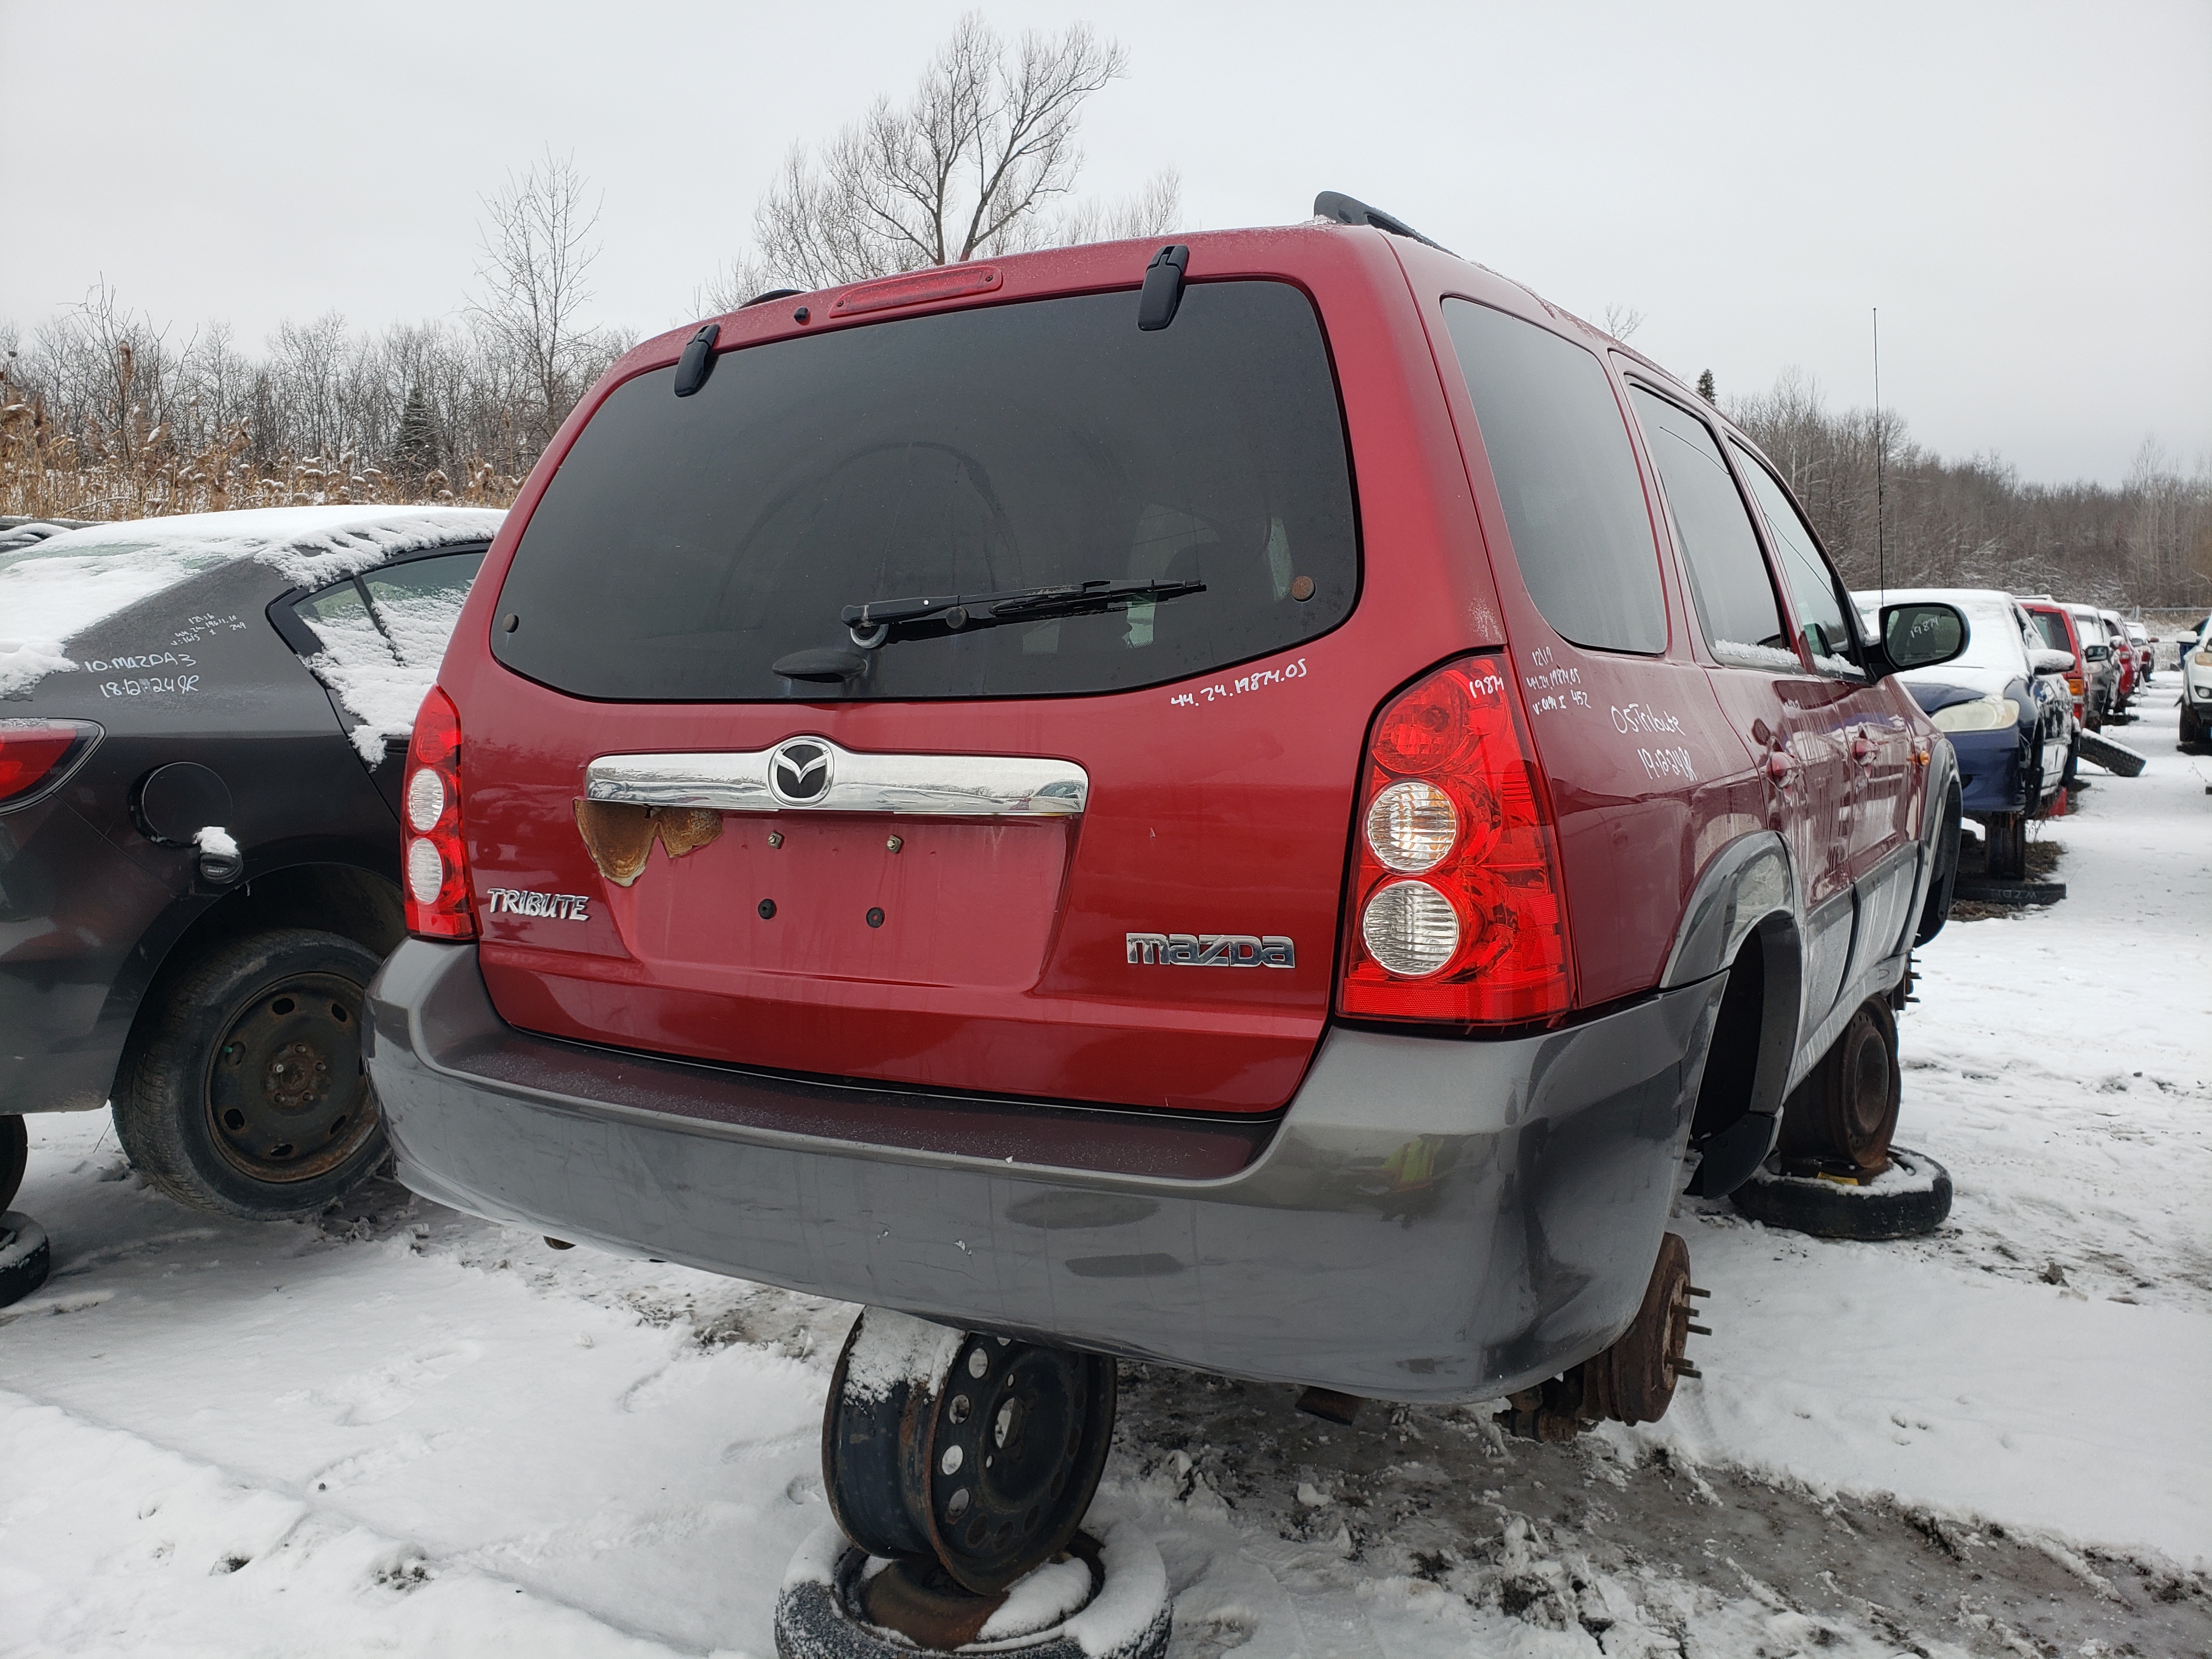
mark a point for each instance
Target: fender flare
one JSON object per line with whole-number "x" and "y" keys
{"x": 1748, "y": 890}
{"x": 191, "y": 905}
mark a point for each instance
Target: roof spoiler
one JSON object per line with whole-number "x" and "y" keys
{"x": 1334, "y": 205}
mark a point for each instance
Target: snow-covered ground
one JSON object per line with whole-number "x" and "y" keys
{"x": 399, "y": 1429}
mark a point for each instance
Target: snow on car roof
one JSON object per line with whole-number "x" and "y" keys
{"x": 54, "y": 589}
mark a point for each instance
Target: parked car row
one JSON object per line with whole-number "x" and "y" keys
{"x": 2110, "y": 657}
{"x": 2006, "y": 704}
{"x": 1055, "y": 798}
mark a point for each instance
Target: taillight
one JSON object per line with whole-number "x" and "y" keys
{"x": 433, "y": 866}
{"x": 36, "y": 755}
{"x": 1457, "y": 914}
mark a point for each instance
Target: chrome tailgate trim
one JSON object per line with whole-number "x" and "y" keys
{"x": 813, "y": 774}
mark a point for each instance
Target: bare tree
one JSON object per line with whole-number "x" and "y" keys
{"x": 1621, "y": 321}
{"x": 538, "y": 252}
{"x": 971, "y": 166}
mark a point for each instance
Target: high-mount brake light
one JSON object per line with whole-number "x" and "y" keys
{"x": 1458, "y": 916}
{"x": 937, "y": 283}
{"x": 437, "y": 867}
{"x": 36, "y": 754}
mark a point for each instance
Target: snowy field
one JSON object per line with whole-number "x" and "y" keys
{"x": 401, "y": 1430}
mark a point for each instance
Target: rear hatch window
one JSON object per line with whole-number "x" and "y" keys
{"x": 688, "y": 543}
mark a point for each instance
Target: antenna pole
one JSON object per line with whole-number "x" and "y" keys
{"x": 1881, "y": 552}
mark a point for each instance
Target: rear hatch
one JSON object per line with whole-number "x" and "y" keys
{"x": 1060, "y": 814}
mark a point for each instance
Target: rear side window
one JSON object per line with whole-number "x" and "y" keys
{"x": 397, "y": 615}
{"x": 687, "y": 545}
{"x": 2052, "y": 627}
{"x": 1728, "y": 580}
{"x": 1574, "y": 502}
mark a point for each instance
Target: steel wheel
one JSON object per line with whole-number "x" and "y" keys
{"x": 1846, "y": 1112}
{"x": 287, "y": 1097}
{"x": 980, "y": 1451}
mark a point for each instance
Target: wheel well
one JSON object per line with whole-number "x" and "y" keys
{"x": 338, "y": 898}
{"x": 1748, "y": 1060}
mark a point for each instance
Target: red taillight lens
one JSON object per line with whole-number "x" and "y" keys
{"x": 34, "y": 754}
{"x": 434, "y": 865}
{"x": 1478, "y": 934}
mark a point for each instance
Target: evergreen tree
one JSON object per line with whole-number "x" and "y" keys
{"x": 1705, "y": 388}
{"x": 415, "y": 446}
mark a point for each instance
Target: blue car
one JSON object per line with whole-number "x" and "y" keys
{"x": 2005, "y": 706}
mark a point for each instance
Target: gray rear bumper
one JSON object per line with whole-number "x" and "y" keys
{"x": 1433, "y": 1219}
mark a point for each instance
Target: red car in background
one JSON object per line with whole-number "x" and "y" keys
{"x": 2061, "y": 633}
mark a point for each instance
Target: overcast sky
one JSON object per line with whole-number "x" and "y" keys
{"x": 2024, "y": 190}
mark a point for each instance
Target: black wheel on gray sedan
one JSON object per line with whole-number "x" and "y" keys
{"x": 244, "y": 1091}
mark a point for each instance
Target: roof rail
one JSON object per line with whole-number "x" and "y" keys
{"x": 1350, "y": 210}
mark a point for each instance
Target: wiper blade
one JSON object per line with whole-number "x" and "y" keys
{"x": 928, "y": 616}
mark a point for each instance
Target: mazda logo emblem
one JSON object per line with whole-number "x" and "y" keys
{"x": 798, "y": 771}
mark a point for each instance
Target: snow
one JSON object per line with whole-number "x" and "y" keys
{"x": 1136, "y": 1582}
{"x": 1756, "y": 656}
{"x": 1039, "y": 1599}
{"x": 896, "y": 1348}
{"x": 214, "y": 838}
{"x": 55, "y": 589}
{"x": 400, "y": 1430}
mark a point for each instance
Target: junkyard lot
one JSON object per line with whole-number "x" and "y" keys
{"x": 402, "y": 1427}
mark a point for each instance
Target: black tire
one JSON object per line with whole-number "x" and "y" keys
{"x": 2073, "y": 761}
{"x": 818, "y": 1614}
{"x": 1940, "y": 890}
{"x": 1826, "y": 1209}
{"x": 2007, "y": 840}
{"x": 15, "y": 1153}
{"x": 243, "y": 1091}
{"x": 25, "y": 1255}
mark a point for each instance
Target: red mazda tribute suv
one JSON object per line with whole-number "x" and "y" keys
{"x": 1251, "y": 804}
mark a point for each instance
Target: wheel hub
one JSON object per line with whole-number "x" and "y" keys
{"x": 287, "y": 1097}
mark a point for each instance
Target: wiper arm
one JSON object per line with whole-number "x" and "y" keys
{"x": 928, "y": 616}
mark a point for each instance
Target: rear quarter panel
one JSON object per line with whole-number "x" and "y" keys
{"x": 1648, "y": 778}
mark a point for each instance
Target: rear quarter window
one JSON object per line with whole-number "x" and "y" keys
{"x": 686, "y": 545}
{"x": 1574, "y": 502}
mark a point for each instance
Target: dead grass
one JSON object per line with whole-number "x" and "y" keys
{"x": 141, "y": 471}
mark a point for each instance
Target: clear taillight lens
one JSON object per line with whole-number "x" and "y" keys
{"x": 436, "y": 862}
{"x": 1411, "y": 826}
{"x": 426, "y": 800}
{"x": 1410, "y": 928}
{"x": 1452, "y": 794}
{"x": 426, "y": 871}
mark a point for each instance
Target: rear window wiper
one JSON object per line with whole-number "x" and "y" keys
{"x": 929, "y": 615}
